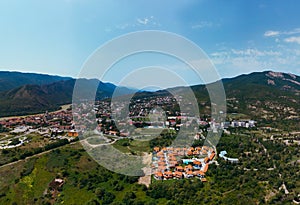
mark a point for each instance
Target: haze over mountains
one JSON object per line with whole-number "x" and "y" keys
{"x": 27, "y": 93}
{"x": 269, "y": 96}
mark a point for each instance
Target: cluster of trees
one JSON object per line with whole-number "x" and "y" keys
{"x": 227, "y": 183}
{"x": 3, "y": 129}
{"x": 165, "y": 139}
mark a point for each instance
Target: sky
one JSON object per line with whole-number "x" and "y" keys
{"x": 58, "y": 36}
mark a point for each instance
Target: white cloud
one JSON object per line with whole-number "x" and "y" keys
{"x": 255, "y": 52}
{"x": 252, "y": 59}
{"x": 293, "y": 39}
{"x": 147, "y": 21}
{"x": 144, "y": 21}
{"x": 271, "y": 33}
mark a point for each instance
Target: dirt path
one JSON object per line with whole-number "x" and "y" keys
{"x": 147, "y": 160}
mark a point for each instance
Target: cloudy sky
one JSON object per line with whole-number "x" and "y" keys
{"x": 58, "y": 36}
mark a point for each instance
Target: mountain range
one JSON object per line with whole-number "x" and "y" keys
{"x": 266, "y": 96}
{"x": 29, "y": 93}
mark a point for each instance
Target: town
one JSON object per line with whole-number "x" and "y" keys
{"x": 167, "y": 162}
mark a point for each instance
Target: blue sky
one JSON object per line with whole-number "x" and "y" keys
{"x": 57, "y": 36}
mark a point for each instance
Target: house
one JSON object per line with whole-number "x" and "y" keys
{"x": 199, "y": 174}
{"x": 173, "y": 164}
{"x": 158, "y": 176}
{"x": 172, "y": 158}
{"x": 188, "y": 168}
{"x": 178, "y": 175}
{"x": 206, "y": 160}
{"x": 72, "y": 133}
{"x": 197, "y": 164}
{"x": 189, "y": 174}
{"x": 156, "y": 149}
{"x": 212, "y": 155}
{"x": 160, "y": 154}
{"x": 196, "y": 152}
{"x": 179, "y": 168}
{"x": 168, "y": 175}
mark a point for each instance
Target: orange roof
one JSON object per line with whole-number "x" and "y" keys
{"x": 156, "y": 149}
{"x": 189, "y": 166}
{"x": 179, "y": 168}
{"x": 189, "y": 153}
{"x": 199, "y": 172}
{"x": 173, "y": 160}
{"x": 197, "y": 162}
{"x": 198, "y": 148}
{"x": 196, "y": 152}
{"x": 178, "y": 174}
{"x": 159, "y": 174}
{"x": 168, "y": 174}
{"x": 191, "y": 149}
{"x": 206, "y": 159}
{"x": 160, "y": 154}
{"x": 205, "y": 168}
{"x": 189, "y": 172}
{"x": 212, "y": 156}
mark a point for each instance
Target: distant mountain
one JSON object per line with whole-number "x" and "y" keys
{"x": 271, "y": 98}
{"x": 39, "y": 95}
{"x": 11, "y": 80}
